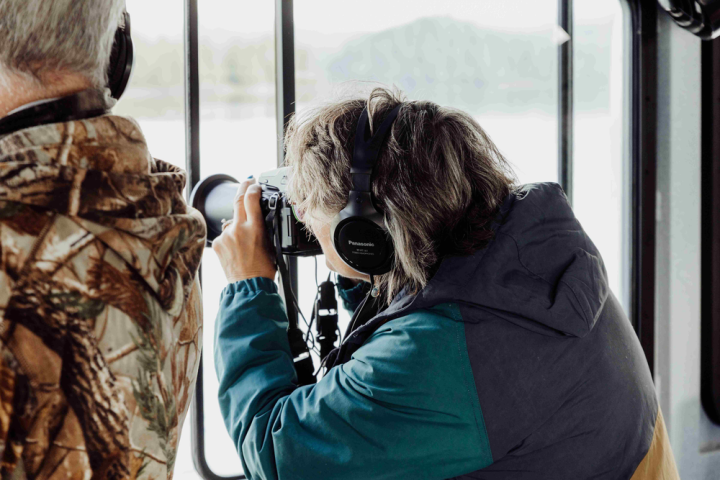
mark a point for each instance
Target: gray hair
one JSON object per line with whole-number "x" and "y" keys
{"x": 439, "y": 180}
{"x": 44, "y": 36}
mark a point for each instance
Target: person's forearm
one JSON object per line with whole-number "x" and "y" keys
{"x": 388, "y": 413}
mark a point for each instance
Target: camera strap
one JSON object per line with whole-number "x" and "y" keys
{"x": 360, "y": 328}
{"x": 282, "y": 268}
{"x": 298, "y": 347}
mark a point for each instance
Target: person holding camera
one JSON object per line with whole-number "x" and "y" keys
{"x": 100, "y": 307}
{"x": 490, "y": 345}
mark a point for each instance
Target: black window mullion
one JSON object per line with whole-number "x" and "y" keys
{"x": 710, "y": 275}
{"x": 284, "y": 70}
{"x": 644, "y": 173}
{"x": 285, "y": 108}
{"x": 192, "y": 96}
{"x": 565, "y": 99}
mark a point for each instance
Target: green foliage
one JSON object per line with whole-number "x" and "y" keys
{"x": 142, "y": 468}
{"x": 10, "y": 209}
{"x": 179, "y": 242}
{"x": 77, "y": 304}
{"x": 160, "y": 415}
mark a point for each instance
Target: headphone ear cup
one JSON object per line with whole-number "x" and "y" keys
{"x": 362, "y": 245}
{"x": 121, "y": 59}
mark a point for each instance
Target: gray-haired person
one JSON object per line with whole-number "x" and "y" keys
{"x": 497, "y": 350}
{"x": 100, "y": 309}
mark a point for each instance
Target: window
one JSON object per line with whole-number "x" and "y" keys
{"x": 238, "y": 138}
{"x": 495, "y": 60}
{"x": 154, "y": 96}
{"x": 498, "y": 61}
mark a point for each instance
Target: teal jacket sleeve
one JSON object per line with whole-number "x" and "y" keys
{"x": 351, "y": 295}
{"x": 405, "y": 406}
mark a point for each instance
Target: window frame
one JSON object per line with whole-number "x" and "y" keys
{"x": 643, "y": 144}
{"x": 566, "y": 91}
{"x": 642, "y": 69}
{"x": 285, "y": 108}
{"x": 710, "y": 234}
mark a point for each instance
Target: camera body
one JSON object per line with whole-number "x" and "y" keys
{"x": 295, "y": 239}
{"x": 215, "y": 195}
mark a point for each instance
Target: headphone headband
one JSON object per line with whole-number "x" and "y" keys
{"x": 367, "y": 150}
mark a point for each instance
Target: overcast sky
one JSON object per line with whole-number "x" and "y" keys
{"x": 337, "y": 18}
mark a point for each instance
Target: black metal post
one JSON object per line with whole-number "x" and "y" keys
{"x": 710, "y": 276}
{"x": 284, "y": 70}
{"x": 192, "y": 165}
{"x": 285, "y": 108}
{"x": 565, "y": 99}
{"x": 192, "y": 95}
{"x": 644, "y": 175}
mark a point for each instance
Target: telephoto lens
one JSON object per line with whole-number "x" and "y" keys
{"x": 214, "y": 198}
{"x": 215, "y": 195}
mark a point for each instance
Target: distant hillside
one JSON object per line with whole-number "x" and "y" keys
{"x": 448, "y": 61}
{"x": 457, "y": 63}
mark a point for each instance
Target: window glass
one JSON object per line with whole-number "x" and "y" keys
{"x": 495, "y": 60}
{"x": 155, "y": 98}
{"x": 155, "y": 95}
{"x": 601, "y": 177}
{"x": 237, "y": 137}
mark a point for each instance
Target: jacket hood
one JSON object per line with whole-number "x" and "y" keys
{"x": 541, "y": 271}
{"x": 99, "y": 173}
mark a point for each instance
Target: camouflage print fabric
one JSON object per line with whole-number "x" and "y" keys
{"x": 100, "y": 308}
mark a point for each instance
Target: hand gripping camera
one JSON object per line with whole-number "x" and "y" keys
{"x": 214, "y": 198}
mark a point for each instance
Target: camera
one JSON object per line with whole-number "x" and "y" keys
{"x": 214, "y": 198}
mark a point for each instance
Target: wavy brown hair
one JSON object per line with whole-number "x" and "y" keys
{"x": 439, "y": 179}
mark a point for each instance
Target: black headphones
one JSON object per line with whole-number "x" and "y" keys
{"x": 358, "y": 232}
{"x": 121, "y": 58}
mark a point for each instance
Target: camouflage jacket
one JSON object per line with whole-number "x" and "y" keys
{"x": 100, "y": 308}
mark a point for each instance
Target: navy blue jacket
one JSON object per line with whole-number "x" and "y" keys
{"x": 516, "y": 362}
